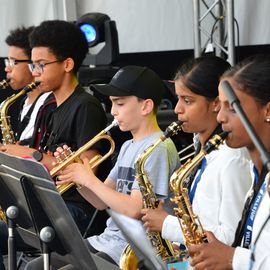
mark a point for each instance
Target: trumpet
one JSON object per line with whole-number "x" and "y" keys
{"x": 4, "y": 83}
{"x": 75, "y": 156}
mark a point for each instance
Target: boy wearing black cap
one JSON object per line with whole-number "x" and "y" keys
{"x": 135, "y": 93}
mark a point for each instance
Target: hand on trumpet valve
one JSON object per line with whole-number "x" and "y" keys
{"x": 79, "y": 173}
{"x": 62, "y": 153}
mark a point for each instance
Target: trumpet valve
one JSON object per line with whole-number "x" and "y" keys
{"x": 64, "y": 155}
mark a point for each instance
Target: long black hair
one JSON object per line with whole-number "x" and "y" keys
{"x": 201, "y": 75}
{"x": 252, "y": 76}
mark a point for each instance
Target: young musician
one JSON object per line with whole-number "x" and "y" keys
{"x": 58, "y": 49}
{"x": 19, "y": 56}
{"x": 250, "y": 80}
{"x": 30, "y": 124}
{"x": 135, "y": 93}
{"x": 222, "y": 179}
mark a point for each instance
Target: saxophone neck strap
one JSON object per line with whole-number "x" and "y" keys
{"x": 258, "y": 183}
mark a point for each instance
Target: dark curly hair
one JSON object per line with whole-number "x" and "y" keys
{"x": 64, "y": 39}
{"x": 19, "y": 37}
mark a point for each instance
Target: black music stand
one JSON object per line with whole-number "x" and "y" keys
{"x": 135, "y": 234}
{"x": 26, "y": 184}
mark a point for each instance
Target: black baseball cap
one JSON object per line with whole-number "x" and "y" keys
{"x": 141, "y": 82}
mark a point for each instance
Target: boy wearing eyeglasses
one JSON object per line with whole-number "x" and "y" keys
{"x": 58, "y": 49}
{"x": 19, "y": 75}
{"x": 31, "y": 121}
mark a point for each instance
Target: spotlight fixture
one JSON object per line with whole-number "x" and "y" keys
{"x": 99, "y": 28}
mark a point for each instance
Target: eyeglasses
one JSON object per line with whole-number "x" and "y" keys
{"x": 39, "y": 68}
{"x": 12, "y": 62}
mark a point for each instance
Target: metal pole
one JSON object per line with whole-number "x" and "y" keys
{"x": 12, "y": 213}
{"x": 220, "y": 29}
{"x": 230, "y": 26}
{"x": 196, "y": 28}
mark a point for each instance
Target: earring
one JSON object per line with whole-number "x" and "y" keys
{"x": 268, "y": 120}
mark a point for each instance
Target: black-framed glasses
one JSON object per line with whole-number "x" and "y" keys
{"x": 10, "y": 62}
{"x": 39, "y": 67}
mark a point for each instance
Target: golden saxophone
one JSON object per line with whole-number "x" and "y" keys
{"x": 71, "y": 157}
{"x": 163, "y": 248}
{"x": 190, "y": 224}
{"x": 7, "y": 132}
{"x": 4, "y": 83}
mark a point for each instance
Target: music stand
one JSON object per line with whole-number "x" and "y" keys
{"x": 135, "y": 234}
{"x": 26, "y": 184}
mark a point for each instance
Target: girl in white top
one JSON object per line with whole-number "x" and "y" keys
{"x": 250, "y": 81}
{"x": 218, "y": 193}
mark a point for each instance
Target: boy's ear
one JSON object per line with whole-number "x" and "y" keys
{"x": 148, "y": 106}
{"x": 216, "y": 105}
{"x": 69, "y": 64}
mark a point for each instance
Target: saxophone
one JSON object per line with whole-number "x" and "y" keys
{"x": 163, "y": 248}
{"x": 7, "y": 132}
{"x": 4, "y": 83}
{"x": 190, "y": 224}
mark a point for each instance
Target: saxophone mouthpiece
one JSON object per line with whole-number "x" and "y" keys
{"x": 224, "y": 135}
{"x": 172, "y": 129}
{"x": 215, "y": 141}
{"x": 31, "y": 86}
{"x": 4, "y": 83}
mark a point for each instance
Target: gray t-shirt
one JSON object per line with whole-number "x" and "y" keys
{"x": 160, "y": 165}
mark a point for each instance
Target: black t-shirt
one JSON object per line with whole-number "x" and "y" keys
{"x": 77, "y": 120}
{"x": 42, "y": 121}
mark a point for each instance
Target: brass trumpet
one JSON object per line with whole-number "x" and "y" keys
{"x": 75, "y": 156}
{"x": 4, "y": 83}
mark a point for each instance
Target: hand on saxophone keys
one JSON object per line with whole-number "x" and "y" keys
{"x": 205, "y": 254}
{"x": 153, "y": 218}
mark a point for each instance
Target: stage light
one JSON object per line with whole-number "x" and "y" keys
{"x": 99, "y": 28}
{"x": 89, "y": 31}
{"x": 92, "y": 25}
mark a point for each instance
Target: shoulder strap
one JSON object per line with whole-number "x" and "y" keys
{"x": 56, "y": 128}
{"x": 23, "y": 124}
{"x": 240, "y": 228}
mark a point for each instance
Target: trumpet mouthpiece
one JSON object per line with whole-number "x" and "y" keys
{"x": 113, "y": 124}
